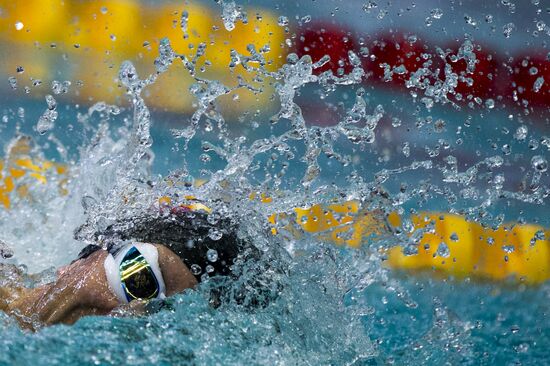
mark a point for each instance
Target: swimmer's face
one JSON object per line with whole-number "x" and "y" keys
{"x": 82, "y": 289}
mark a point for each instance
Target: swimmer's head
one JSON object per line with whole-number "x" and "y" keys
{"x": 206, "y": 248}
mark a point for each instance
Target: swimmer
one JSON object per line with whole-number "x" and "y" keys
{"x": 145, "y": 258}
{"x": 99, "y": 284}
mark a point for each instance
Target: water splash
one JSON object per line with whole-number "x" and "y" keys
{"x": 313, "y": 287}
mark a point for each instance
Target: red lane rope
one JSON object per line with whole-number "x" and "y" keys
{"x": 522, "y": 80}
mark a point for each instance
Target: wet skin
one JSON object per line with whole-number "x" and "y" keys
{"x": 82, "y": 289}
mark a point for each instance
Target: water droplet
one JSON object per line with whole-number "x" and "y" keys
{"x": 215, "y": 234}
{"x": 537, "y": 85}
{"x": 354, "y": 59}
{"x": 212, "y": 255}
{"x": 533, "y": 144}
{"x": 540, "y": 235}
{"x": 498, "y": 180}
{"x": 410, "y": 250}
{"x": 104, "y": 10}
{"x": 60, "y": 87}
{"x": 196, "y": 269}
{"x": 13, "y": 82}
{"x": 166, "y": 56}
{"x": 436, "y": 13}
{"x": 508, "y": 248}
{"x": 539, "y": 163}
{"x": 282, "y": 21}
{"x": 428, "y": 102}
{"x": 453, "y": 237}
{"x": 209, "y": 268}
{"x": 369, "y": 5}
{"x": 128, "y": 74}
{"x": 507, "y": 29}
{"x": 406, "y": 149}
{"x": 51, "y": 102}
{"x": 184, "y": 23}
{"x": 47, "y": 120}
{"x": 395, "y": 122}
{"x": 382, "y": 14}
{"x": 521, "y": 133}
{"x": 443, "y": 250}
{"x": 19, "y": 25}
{"x": 470, "y": 21}
{"x": 230, "y": 13}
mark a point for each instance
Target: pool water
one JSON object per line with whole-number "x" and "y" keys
{"x": 323, "y": 139}
{"x": 399, "y": 320}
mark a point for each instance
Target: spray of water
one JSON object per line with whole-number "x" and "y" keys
{"x": 315, "y": 306}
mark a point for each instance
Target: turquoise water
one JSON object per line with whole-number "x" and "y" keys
{"x": 334, "y": 307}
{"x": 326, "y": 305}
{"x": 398, "y": 320}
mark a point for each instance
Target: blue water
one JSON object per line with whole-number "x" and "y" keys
{"x": 425, "y": 321}
{"x": 320, "y": 315}
{"x": 462, "y": 323}
{"x": 327, "y": 305}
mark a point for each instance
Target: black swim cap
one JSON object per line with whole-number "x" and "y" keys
{"x": 203, "y": 246}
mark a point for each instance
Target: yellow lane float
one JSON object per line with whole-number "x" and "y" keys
{"x": 18, "y": 171}
{"x": 513, "y": 250}
{"x": 456, "y": 247}
{"x": 85, "y": 42}
{"x": 453, "y": 246}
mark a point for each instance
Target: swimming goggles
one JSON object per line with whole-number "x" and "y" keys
{"x": 133, "y": 273}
